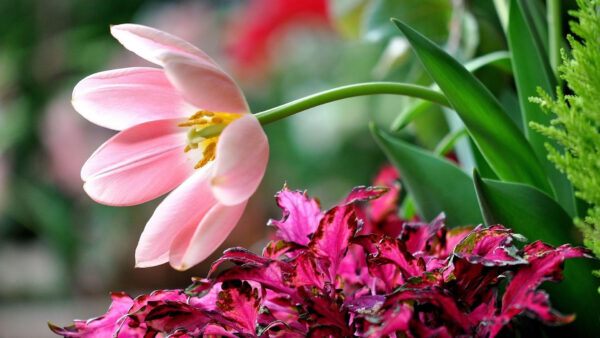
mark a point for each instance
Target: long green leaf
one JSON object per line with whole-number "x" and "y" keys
{"x": 532, "y": 70}
{"x": 536, "y": 17}
{"x": 499, "y": 58}
{"x": 532, "y": 213}
{"x": 435, "y": 184}
{"x": 492, "y": 130}
{"x": 480, "y": 163}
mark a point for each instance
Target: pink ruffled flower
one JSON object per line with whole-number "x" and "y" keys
{"x": 185, "y": 127}
{"x": 322, "y": 276}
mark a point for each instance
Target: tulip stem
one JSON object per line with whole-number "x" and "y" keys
{"x": 359, "y": 89}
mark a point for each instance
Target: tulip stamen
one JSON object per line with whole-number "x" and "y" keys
{"x": 205, "y": 128}
{"x": 208, "y": 153}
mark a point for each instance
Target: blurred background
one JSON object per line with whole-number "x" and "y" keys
{"x": 61, "y": 253}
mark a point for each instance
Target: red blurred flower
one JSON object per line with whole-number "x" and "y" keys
{"x": 261, "y": 21}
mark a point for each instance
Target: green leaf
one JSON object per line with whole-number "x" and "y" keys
{"x": 448, "y": 142}
{"x": 407, "y": 209}
{"x": 435, "y": 184}
{"x": 499, "y": 139}
{"x": 536, "y": 17}
{"x": 534, "y": 214}
{"x": 430, "y": 16}
{"x": 480, "y": 163}
{"x": 527, "y": 210}
{"x": 532, "y": 70}
{"x": 498, "y": 58}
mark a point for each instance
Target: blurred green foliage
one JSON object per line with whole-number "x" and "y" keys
{"x": 45, "y": 47}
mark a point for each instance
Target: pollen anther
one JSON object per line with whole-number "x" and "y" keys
{"x": 204, "y": 133}
{"x": 208, "y": 154}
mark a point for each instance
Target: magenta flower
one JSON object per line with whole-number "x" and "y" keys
{"x": 186, "y": 127}
{"x": 325, "y": 276}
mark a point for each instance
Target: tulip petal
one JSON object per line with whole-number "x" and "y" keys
{"x": 149, "y": 42}
{"x": 193, "y": 245}
{"x": 203, "y": 85}
{"x": 138, "y": 164}
{"x": 180, "y": 212}
{"x": 242, "y": 155}
{"x": 121, "y": 98}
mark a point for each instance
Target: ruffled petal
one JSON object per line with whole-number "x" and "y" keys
{"x": 180, "y": 212}
{"x": 242, "y": 155}
{"x": 106, "y": 325}
{"x": 121, "y": 98}
{"x": 203, "y": 85}
{"x": 193, "y": 245}
{"x": 149, "y": 42}
{"x": 138, "y": 164}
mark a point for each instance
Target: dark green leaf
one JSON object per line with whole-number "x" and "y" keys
{"x": 526, "y": 209}
{"x": 532, "y": 213}
{"x": 536, "y": 18}
{"x": 480, "y": 163}
{"x": 435, "y": 184}
{"x": 532, "y": 70}
{"x": 499, "y": 139}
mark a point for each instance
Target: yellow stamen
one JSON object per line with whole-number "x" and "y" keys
{"x": 204, "y": 133}
{"x": 208, "y": 153}
{"x": 196, "y": 115}
{"x": 194, "y": 122}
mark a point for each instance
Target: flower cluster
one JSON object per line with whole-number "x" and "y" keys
{"x": 356, "y": 269}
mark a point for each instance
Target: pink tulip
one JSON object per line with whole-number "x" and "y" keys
{"x": 167, "y": 120}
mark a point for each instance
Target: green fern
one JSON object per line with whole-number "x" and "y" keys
{"x": 577, "y": 123}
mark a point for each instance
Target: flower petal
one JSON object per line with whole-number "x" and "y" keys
{"x": 242, "y": 155}
{"x": 121, "y": 98}
{"x": 204, "y": 85}
{"x": 180, "y": 211}
{"x": 193, "y": 245}
{"x": 138, "y": 164}
{"x": 301, "y": 216}
{"x": 148, "y": 42}
{"x": 106, "y": 325}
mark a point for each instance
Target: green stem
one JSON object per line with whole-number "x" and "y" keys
{"x": 359, "y": 89}
{"x": 554, "y": 34}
